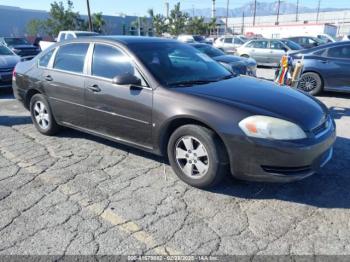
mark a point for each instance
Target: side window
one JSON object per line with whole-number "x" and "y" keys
{"x": 276, "y": 45}
{"x": 339, "y": 52}
{"x": 71, "y": 57}
{"x": 260, "y": 44}
{"x": 228, "y": 40}
{"x": 320, "y": 52}
{"x": 109, "y": 62}
{"x": 62, "y": 37}
{"x": 44, "y": 60}
{"x": 237, "y": 41}
{"x": 69, "y": 36}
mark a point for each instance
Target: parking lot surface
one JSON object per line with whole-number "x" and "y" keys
{"x": 78, "y": 194}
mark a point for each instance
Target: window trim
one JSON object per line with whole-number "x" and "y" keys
{"x": 51, "y": 58}
{"x": 109, "y": 80}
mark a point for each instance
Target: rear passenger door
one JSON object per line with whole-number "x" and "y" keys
{"x": 64, "y": 84}
{"x": 337, "y": 63}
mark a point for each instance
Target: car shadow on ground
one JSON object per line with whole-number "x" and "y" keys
{"x": 339, "y": 112}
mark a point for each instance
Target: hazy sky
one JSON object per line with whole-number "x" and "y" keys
{"x": 140, "y": 7}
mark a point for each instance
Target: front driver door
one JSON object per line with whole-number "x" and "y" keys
{"x": 122, "y": 112}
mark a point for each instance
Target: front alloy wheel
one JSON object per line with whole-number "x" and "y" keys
{"x": 192, "y": 157}
{"x": 197, "y": 156}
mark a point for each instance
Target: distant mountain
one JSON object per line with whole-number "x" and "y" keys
{"x": 262, "y": 8}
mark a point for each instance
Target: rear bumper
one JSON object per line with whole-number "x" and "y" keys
{"x": 279, "y": 161}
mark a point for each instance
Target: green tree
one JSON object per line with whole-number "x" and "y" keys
{"x": 98, "y": 22}
{"x": 62, "y": 18}
{"x": 177, "y": 20}
{"x": 196, "y": 26}
{"x": 158, "y": 23}
{"x": 36, "y": 27}
{"x": 211, "y": 26}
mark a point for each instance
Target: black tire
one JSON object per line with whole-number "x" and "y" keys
{"x": 311, "y": 83}
{"x": 52, "y": 127}
{"x": 217, "y": 160}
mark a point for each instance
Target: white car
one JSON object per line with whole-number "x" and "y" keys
{"x": 191, "y": 39}
{"x": 346, "y": 38}
{"x": 229, "y": 44}
{"x": 66, "y": 35}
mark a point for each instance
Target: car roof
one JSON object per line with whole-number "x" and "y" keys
{"x": 126, "y": 40}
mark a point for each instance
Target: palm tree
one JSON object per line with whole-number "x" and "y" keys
{"x": 98, "y": 22}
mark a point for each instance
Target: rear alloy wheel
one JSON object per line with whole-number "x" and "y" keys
{"x": 197, "y": 156}
{"x": 311, "y": 83}
{"x": 42, "y": 116}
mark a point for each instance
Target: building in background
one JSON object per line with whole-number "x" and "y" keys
{"x": 340, "y": 19}
{"x": 14, "y": 22}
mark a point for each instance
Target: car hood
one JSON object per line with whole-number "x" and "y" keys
{"x": 231, "y": 59}
{"x": 264, "y": 98}
{"x": 7, "y": 61}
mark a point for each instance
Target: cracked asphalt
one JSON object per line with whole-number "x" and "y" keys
{"x": 78, "y": 194}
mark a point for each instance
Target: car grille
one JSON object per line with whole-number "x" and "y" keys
{"x": 8, "y": 69}
{"x": 286, "y": 170}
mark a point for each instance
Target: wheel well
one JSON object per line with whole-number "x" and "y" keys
{"x": 175, "y": 124}
{"x": 29, "y": 96}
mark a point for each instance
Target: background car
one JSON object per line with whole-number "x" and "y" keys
{"x": 265, "y": 51}
{"x": 346, "y": 38}
{"x": 20, "y": 46}
{"x": 193, "y": 39}
{"x": 237, "y": 65}
{"x": 8, "y": 61}
{"x": 229, "y": 44}
{"x": 326, "y": 67}
{"x": 307, "y": 41}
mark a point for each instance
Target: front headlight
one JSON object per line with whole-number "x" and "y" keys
{"x": 271, "y": 128}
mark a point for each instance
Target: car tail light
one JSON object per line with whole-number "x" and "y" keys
{"x": 14, "y": 75}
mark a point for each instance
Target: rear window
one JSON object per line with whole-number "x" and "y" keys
{"x": 5, "y": 51}
{"x": 71, "y": 57}
{"x": 16, "y": 41}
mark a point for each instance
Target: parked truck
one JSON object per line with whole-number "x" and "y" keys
{"x": 65, "y": 35}
{"x": 325, "y": 32}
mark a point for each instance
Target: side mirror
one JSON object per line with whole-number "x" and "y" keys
{"x": 285, "y": 49}
{"x": 126, "y": 79}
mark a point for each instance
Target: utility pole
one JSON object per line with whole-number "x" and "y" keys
{"x": 242, "y": 24}
{"x": 227, "y": 7}
{"x": 91, "y": 28}
{"x": 192, "y": 10}
{"x": 166, "y": 9}
{"x": 297, "y": 12}
{"x": 318, "y": 10}
{"x": 213, "y": 10}
{"x": 278, "y": 12}
{"x": 138, "y": 25}
{"x": 254, "y": 13}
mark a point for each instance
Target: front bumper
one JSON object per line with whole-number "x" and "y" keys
{"x": 279, "y": 161}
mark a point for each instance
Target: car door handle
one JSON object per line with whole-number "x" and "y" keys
{"x": 94, "y": 88}
{"x": 324, "y": 61}
{"x": 48, "y": 78}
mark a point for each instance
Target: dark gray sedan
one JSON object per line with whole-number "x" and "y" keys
{"x": 326, "y": 67}
{"x": 170, "y": 99}
{"x": 8, "y": 61}
{"x": 238, "y": 65}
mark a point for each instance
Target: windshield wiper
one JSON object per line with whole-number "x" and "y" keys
{"x": 191, "y": 82}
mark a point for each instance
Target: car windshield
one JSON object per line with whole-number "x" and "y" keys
{"x": 292, "y": 45}
{"x": 16, "y": 41}
{"x": 5, "y": 51}
{"x": 173, "y": 63}
{"x": 209, "y": 50}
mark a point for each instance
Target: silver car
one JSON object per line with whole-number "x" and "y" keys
{"x": 266, "y": 51}
{"x": 8, "y": 61}
{"x": 229, "y": 44}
